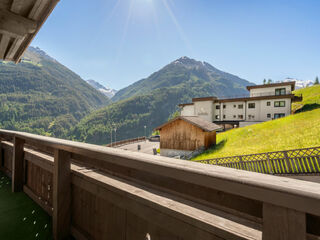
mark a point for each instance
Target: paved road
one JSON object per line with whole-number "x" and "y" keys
{"x": 146, "y": 147}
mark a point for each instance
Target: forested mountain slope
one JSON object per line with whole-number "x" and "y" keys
{"x": 151, "y": 101}
{"x": 186, "y": 73}
{"x": 42, "y": 96}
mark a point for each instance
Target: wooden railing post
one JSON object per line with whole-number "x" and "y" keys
{"x": 1, "y": 155}
{"x": 61, "y": 195}
{"x": 283, "y": 223}
{"x": 17, "y": 165}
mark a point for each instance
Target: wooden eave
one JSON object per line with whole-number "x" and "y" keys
{"x": 204, "y": 99}
{"x": 185, "y": 104}
{"x": 196, "y": 121}
{"x": 20, "y": 21}
{"x": 292, "y": 83}
{"x": 247, "y": 99}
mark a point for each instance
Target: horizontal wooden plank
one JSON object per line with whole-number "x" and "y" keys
{"x": 16, "y": 24}
{"x": 144, "y": 202}
{"x": 42, "y": 160}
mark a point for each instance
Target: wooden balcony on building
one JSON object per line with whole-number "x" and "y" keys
{"x": 95, "y": 192}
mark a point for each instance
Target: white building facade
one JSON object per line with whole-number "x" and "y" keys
{"x": 265, "y": 102}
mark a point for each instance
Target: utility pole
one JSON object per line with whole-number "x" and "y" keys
{"x": 145, "y": 132}
{"x": 115, "y": 135}
{"x": 111, "y": 136}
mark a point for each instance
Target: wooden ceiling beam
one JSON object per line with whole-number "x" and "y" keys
{"x": 37, "y": 9}
{"x": 12, "y": 52}
{"x": 17, "y": 5}
{"x": 3, "y": 45}
{"x": 16, "y": 24}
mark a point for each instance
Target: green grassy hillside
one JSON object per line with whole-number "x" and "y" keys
{"x": 311, "y": 98}
{"x": 300, "y": 130}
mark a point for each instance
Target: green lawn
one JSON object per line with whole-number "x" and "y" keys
{"x": 311, "y": 96}
{"x": 300, "y": 130}
{"x": 20, "y": 217}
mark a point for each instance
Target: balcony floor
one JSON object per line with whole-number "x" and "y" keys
{"x": 20, "y": 217}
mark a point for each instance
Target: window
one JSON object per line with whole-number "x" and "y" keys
{"x": 224, "y": 106}
{"x": 234, "y": 116}
{"x": 268, "y": 115}
{"x": 268, "y": 103}
{"x": 240, "y": 116}
{"x": 279, "y": 103}
{"x": 217, "y": 116}
{"x": 224, "y": 116}
{"x": 279, "y": 115}
{"x": 280, "y": 91}
{"x": 240, "y": 106}
{"x": 251, "y": 105}
{"x": 251, "y": 116}
{"x": 217, "y": 106}
{"x": 234, "y": 106}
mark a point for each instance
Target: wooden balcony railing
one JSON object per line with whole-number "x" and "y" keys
{"x": 95, "y": 192}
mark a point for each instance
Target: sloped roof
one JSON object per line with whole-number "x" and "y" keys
{"x": 292, "y": 83}
{"x": 20, "y": 21}
{"x": 196, "y": 121}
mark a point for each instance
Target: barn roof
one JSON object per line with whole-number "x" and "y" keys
{"x": 196, "y": 121}
{"x": 20, "y": 21}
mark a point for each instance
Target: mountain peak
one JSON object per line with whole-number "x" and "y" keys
{"x": 105, "y": 90}
{"x": 36, "y": 52}
{"x": 187, "y": 62}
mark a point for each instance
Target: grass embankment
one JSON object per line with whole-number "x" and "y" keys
{"x": 311, "y": 98}
{"x": 300, "y": 130}
{"x": 20, "y": 217}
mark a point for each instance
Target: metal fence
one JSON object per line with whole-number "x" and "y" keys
{"x": 297, "y": 161}
{"x": 126, "y": 141}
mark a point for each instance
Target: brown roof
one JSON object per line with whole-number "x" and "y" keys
{"x": 255, "y": 98}
{"x": 204, "y": 99}
{"x": 196, "y": 121}
{"x": 20, "y": 21}
{"x": 273, "y": 85}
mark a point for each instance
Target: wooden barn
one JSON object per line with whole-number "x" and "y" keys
{"x": 183, "y": 135}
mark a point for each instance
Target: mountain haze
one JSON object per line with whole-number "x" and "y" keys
{"x": 149, "y": 102}
{"x": 42, "y": 96}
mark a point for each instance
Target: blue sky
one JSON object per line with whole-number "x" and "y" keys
{"x": 118, "y": 42}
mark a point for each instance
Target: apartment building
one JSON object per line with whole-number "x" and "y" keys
{"x": 264, "y": 103}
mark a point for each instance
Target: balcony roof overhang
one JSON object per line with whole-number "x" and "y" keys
{"x": 20, "y": 21}
{"x": 292, "y": 84}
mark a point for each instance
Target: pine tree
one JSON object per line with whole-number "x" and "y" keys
{"x": 264, "y": 81}
{"x": 316, "y": 82}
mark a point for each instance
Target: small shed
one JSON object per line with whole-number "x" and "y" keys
{"x": 183, "y": 135}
